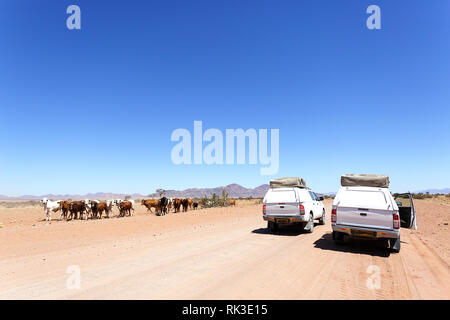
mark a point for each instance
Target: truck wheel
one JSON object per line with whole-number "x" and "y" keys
{"x": 338, "y": 237}
{"x": 385, "y": 243}
{"x": 311, "y": 223}
{"x": 395, "y": 245}
{"x": 322, "y": 219}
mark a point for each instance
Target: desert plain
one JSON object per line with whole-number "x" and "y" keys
{"x": 215, "y": 253}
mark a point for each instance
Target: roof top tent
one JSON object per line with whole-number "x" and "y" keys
{"x": 365, "y": 180}
{"x": 288, "y": 182}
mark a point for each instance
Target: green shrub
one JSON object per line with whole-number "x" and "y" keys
{"x": 215, "y": 200}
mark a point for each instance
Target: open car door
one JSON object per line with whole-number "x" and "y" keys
{"x": 406, "y": 210}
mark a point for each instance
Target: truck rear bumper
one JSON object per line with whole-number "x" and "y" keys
{"x": 363, "y": 232}
{"x": 286, "y": 219}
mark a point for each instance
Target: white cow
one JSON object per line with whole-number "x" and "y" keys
{"x": 49, "y": 206}
{"x": 88, "y": 208}
{"x": 109, "y": 205}
{"x": 117, "y": 202}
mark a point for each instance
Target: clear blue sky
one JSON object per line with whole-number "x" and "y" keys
{"x": 93, "y": 109}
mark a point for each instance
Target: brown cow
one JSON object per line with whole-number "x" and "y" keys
{"x": 124, "y": 207}
{"x": 78, "y": 207}
{"x": 92, "y": 208}
{"x": 150, "y": 203}
{"x": 102, "y": 206}
{"x": 176, "y": 204}
{"x": 232, "y": 202}
{"x": 97, "y": 209}
{"x": 190, "y": 203}
{"x": 185, "y": 204}
{"x": 65, "y": 208}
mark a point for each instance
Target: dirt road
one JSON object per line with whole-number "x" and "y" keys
{"x": 223, "y": 253}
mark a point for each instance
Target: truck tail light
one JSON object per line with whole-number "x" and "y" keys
{"x": 264, "y": 209}
{"x": 396, "y": 221}
{"x": 333, "y": 215}
{"x": 302, "y": 210}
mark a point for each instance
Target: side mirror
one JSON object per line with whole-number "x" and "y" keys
{"x": 321, "y": 198}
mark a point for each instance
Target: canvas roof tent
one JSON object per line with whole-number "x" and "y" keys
{"x": 288, "y": 182}
{"x": 366, "y": 180}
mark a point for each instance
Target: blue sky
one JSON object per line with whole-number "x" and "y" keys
{"x": 92, "y": 110}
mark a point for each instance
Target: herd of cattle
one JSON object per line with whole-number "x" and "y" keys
{"x": 83, "y": 209}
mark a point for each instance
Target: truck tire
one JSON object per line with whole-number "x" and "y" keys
{"x": 338, "y": 237}
{"x": 395, "y": 245}
{"x": 311, "y": 223}
{"x": 322, "y": 219}
{"x": 385, "y": 243}
{"x": 272, "y": 225}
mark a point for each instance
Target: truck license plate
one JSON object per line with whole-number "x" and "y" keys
{"x": 366, "y": 234}
{"x": 282, "y": 220}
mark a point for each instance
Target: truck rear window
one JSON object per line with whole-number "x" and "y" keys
{"x": 280, "y": 196}
{"x": 363, "y": 199}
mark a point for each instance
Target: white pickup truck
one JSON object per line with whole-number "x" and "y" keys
{"x": 366, "y": 211}
{"x": 292, "y": 203}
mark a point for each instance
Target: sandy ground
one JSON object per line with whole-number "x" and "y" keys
{"x": 220, "y": 253}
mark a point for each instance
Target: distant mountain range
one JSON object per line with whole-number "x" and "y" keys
{"x": 434, "y": 191}
{"x": 234, "y": 190}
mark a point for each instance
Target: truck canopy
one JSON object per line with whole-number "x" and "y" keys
{"x": 367, "y": 207}
{"x": 288, "y": 182}
{"x": 365, "y": 180}
{"x": 363, "y": 197}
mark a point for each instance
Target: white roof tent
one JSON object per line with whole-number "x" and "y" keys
{"x": 365, "y": 180}
{"x": 288, "y": 182}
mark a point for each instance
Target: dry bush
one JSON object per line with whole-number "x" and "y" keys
{"x": 19, "y": 204}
